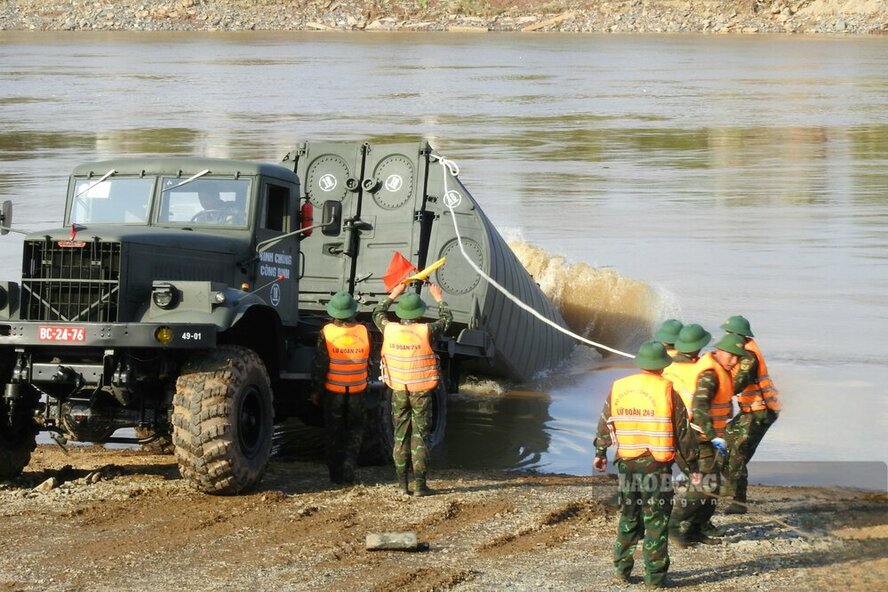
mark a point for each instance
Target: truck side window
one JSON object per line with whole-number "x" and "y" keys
{"x": 277, "y": 210}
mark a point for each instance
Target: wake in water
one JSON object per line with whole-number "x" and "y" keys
{"x": 597, "y": 303}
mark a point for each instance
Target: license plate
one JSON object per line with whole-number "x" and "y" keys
{"x": 66, "y": 334}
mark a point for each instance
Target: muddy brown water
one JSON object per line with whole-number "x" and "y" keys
{"x": 642, "y": 177}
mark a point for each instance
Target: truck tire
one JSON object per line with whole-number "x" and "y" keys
{"x": 379, "y": 437}
{"x": 16, "y": 445}
{"x": 163, "y": 444}
{"x": 223, "y": 420}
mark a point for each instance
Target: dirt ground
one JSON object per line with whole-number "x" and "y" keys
{"x": 124, "y": 520}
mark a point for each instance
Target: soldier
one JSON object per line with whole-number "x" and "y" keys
{"x": 683, "y": 374}
{"x": 690, "y": 340}
{"x": 759, "y": 407}
{"x": 341, "y": 372}
{"x": 711, "y": 408}
{"x": 668, "y": 333}
{"x": 648, "y": 423}
{"x": 410, "y": 369}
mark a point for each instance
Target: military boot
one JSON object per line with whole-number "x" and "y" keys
{"x": 711, "y": 530}
{"x": 736, "y": 508}
{"x": 403, "y": 486}
{"x": 706, "y": 540}
{"x": 420, "y": 489}
{"x": 679, "y": 539}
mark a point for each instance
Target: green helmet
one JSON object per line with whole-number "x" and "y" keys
{"x": 733, "y": 344}
{"x": 668, "y": 331}
{"x": 739, "y": 325}
{"x": 652, "y": 356}
{"x": 410, "y": 307}
{"x": 692, "y": 338}
{"x": 342, "y": 306}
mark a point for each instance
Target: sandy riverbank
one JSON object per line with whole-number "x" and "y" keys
{"x": 135, "y": 525}
{"x": 586, "y": 16}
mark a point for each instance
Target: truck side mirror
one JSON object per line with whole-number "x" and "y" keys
{"x": 5, "y": 217}
{"x": 332, "y": 217}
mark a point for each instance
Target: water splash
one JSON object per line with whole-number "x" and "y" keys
{"x": 596, "y": 302}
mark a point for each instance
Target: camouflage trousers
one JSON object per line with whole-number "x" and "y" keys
{"x": 646, "y": 502}
{"x": 743, "y": 435}
{"x": 344, "y": 424}
{"x": 411, "y": 417}
{"x": 696, "y": 504}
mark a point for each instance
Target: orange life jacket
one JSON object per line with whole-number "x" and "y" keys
{"x": 641, "y": 417}
{"x": 759, "y": 394}
{"x": 349, "y": 350}
{"x": 720, "y": 406}
{"x": 408, "y": 361}
{"x": 684, "y": 378}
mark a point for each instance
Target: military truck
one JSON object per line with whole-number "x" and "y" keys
{"x": 184, "y": 296}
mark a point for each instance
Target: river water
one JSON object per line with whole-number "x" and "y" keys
{"x": 641, "y": 177}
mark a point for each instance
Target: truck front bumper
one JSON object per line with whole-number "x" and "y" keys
{"x": 107, "y": 335}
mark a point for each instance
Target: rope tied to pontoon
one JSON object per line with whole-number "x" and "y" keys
{"x": 451, "y": 167}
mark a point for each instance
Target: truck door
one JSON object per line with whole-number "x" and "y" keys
{"x": 277, "y": 267}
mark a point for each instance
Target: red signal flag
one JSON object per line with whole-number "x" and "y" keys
{"x": 399, "y": 268}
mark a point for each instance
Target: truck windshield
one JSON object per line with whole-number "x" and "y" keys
{"x": 115, "y": 200}
{"x": 204, "y": 202}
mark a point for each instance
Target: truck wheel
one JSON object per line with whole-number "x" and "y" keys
{"x": 223, "y": 420}
{"x": 163, "y": 444}
{"x": 16, "y": 445}
{"x": 379, "y": 438}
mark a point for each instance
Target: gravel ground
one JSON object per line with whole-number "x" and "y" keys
{"x": 123, "y": 520}
{"x": 598, "y": 16}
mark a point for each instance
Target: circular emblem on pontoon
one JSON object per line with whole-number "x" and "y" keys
{"x": 394, "y": 182}
{"x": 275, "y": 294}
{"x": 398, "y": 174}
{"x": 458, "y": 277}
{"x": 322, "y": 178}
{"x": 453, "y": 199}
{"x": 327, "y": 182}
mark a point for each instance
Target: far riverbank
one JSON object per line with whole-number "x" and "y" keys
{"x": 836, "y": 17}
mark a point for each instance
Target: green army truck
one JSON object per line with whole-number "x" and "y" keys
{"x": 183, "y": 298}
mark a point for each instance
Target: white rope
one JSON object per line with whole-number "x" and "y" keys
{"x": 448, "y": 166}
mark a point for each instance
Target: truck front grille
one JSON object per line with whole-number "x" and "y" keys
{"x": 77, "y": 283}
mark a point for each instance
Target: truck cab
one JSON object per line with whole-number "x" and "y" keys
{"x": 160, "y": 261}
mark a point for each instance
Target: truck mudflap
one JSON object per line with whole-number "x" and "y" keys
{"x": 108, "y": 335}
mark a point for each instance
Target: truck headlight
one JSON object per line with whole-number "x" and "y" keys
{"x": 219, "y": 298}
{"x": 165, "y": 296}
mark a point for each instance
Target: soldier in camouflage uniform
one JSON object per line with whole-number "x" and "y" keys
{"x": 340, "y": 379}
{"x": 711, "y": 408}
{"x": 410, "y": 370}
{"x": 648, "y": 423}
{"x": 759, "y": 405}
